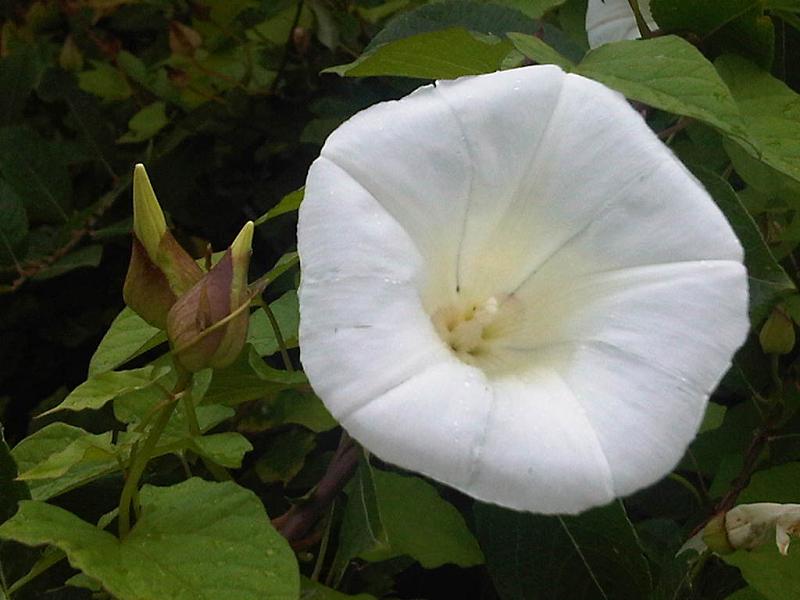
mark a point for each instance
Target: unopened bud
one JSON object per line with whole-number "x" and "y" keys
{"x": 749, "y": 526}
{"x": 160, "y": 270}
{"x": 777, "y": 334}
{"x": 715, "y": 535}
{"x": 183, "y": 39}
{"x": 207, "y": 326}
{"x": 70, "y": 57}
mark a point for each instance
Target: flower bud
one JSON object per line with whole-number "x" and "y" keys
{"x": 715, "y": 535}
{"x": 160, "y": 270}
{"x": 70, "y": 57}
{"x": 777, "y": 334}
{"x": 207, "y": 326}
{"x": 749, "y": 526}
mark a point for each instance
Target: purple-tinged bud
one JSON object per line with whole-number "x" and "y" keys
{"x": 207, "y": 326}
{"x": 160, "y": 270}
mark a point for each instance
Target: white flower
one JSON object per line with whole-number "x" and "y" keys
{"x": 511, "y": 285}
{"x": 748, "y": 526}
{"x": 613, "y": 20}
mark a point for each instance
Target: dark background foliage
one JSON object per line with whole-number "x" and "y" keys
{"x": 221, "y": 145}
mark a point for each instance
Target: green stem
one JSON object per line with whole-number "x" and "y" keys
{"x": 4, "y": 594}
{"x": 287, "y": 362}
{"x": 143, "y": 456}
{"x": 44, "y": 563}
{"x": 219, "y": 473}
{"x": 285, "y": 58}
{"x": 191, "y": 414}
{"x": 323, "y": 545}
{"x": 184, "y": 463}
{"x": 644, "y": 30}
{"x": 775, "y": 372}
{"x": 681, "y": 480}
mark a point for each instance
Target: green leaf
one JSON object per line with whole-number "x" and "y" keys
{"x": 146, "y": 123}
{"x": 532, "y": 8}
{"x": 60, "y": 457}
{"x": 31, "y": 167}
{"x": 729, "y": 439}
{"x": 13, "y": 563}
{"x": 420, "y": 524}
{"x": 226, "y": 449}
{"x": 488, "y": 19}
{"x": 128, "y": 336}
{"x": 667, "y": 73}
{"x": 19, "y": 73}
{"x": 197, "y": 540}
{"x": 312, "y": 590}
{"x": 768, "y": 280}
{"x": 261, "y": 334}
{"x": 362, "y": 527}
{"x": 11, "y": 490}
{"x": 776, "y": 484}
{"x": 771, "y": 113}
{"x": 289, "y": 203}
{"x": 593, "y": 555}
{"x": 13, "y": 225}
{"x": 249, "y": 378}
{"x": 715, "y": 414}
{"x": 284, "y": 264}
{"x": 105, "y": 81}
{"x": 284, "y": 456}
{"x": 761, "y": 177}
{"x": 790, "y": 5}
{"x": 539, "y": 51}
{"x": 437, "y": 55}
{"x": 102, "y": 388}
{"x": 93, "y": 126}
{"x": 291, "y": 406}
{"x": 746, "y": 594}
{"x": 752, "y": 35}
{"x": 82, "y": 258}
{"x": 774, "y": 576}
{"x": 699, "y": 18}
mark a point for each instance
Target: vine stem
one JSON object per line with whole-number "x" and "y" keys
{"x": 644, "y": 30}
{"x": 296, "y": 523}
{"x": 219, "y": 473}
{"x": 44, "y": 563}
{"x": 286, "y": 49}
{"x": 287, "y": 362}
{"x": 143, "y": 456}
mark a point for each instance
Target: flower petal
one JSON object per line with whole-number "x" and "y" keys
{"x": 406, "y": 154}
{"x": 639, "y": 320}
{"x": 433, "y": 422}
{"x": 363, "y": 329}
{"x": 552, "y": 155}
{"x": 539, "y": 451}
{"x": 613, "y": 20}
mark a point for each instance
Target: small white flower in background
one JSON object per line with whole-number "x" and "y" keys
{"x": 749, "y": 526}
{"x": 509, "y": 284}
{"x": 613, "y": 20}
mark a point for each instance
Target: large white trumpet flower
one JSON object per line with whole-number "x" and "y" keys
{"x": 511, "y": 285}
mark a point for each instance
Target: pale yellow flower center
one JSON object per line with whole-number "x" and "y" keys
{"x": 472, "y": 329}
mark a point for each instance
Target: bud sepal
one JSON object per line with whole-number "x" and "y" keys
{"x": 160, "y": 270}
{"x": 207, "y": 326}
